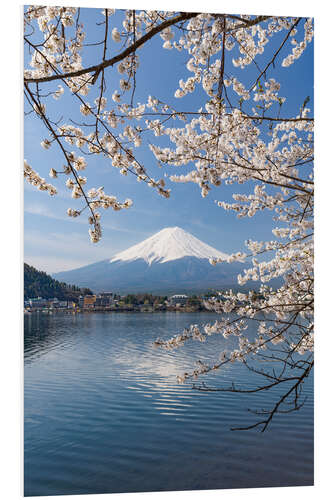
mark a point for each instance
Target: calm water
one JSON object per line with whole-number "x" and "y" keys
{"x": 104, "y": 413}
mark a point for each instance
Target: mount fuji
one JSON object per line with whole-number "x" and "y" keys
{"x": 170, "y": 261}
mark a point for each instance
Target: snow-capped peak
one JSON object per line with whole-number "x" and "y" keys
{"x": 168, "y": 244}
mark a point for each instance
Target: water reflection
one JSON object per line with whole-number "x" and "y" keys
{"x": 103, "y": 413}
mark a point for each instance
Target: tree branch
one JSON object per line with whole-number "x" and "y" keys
{"x": 97, "y": 68}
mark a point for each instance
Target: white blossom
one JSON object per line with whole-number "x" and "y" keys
{"x": 116, "y": 35}
{"x": 242, "y": 133}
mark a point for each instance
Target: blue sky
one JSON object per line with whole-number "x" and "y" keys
{"x": 54, "y": 242}
{"x": 11, "y": 367}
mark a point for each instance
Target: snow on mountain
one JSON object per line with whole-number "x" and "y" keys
{"x": 170, "y": 261}
{"x": 169, "y": 244}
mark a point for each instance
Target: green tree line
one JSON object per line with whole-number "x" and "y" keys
{"x": 39, "y": 284}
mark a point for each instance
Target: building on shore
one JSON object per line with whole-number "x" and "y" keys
{"x": 89, "y": 301}
{"x": 38, "y": 302}
{"x": 104, "y": 299}
{"x": 178, "y": 300}
{"x": 54, "y": 303}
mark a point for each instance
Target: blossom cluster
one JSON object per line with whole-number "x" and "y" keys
{"x": 239, "y": 135}
{"x": 299, "y": 47}
{"x": 36, "y": 180}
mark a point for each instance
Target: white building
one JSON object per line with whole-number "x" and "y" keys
{"x": 178, "y": 299}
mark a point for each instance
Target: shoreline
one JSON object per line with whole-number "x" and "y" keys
{"x": 107, "y": 311}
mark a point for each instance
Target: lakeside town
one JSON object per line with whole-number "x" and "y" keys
{"x": 112, "y": 302}
{"x": 42, "y": 293}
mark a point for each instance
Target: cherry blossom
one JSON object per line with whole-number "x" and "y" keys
{"x": 239, "y": 135}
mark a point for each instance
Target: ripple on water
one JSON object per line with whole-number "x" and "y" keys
{"x": 103, "y": 413}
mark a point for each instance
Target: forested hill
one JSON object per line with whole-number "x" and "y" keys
{"x": 39, "y": 284}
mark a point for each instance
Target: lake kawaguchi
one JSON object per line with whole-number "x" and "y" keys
{"x": 104, "y": 412}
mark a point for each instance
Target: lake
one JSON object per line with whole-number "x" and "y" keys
{"x": 104, "y": 412}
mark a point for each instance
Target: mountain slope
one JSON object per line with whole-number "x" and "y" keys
{"x": 171, "y": 261}
{"x": 39, "y": 284}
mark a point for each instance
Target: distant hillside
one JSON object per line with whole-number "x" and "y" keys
{"x": 39, "y": 284}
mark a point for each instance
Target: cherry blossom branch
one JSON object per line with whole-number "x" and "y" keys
{"x": 276, "y": 53}
{"x": 97, "y": 68}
